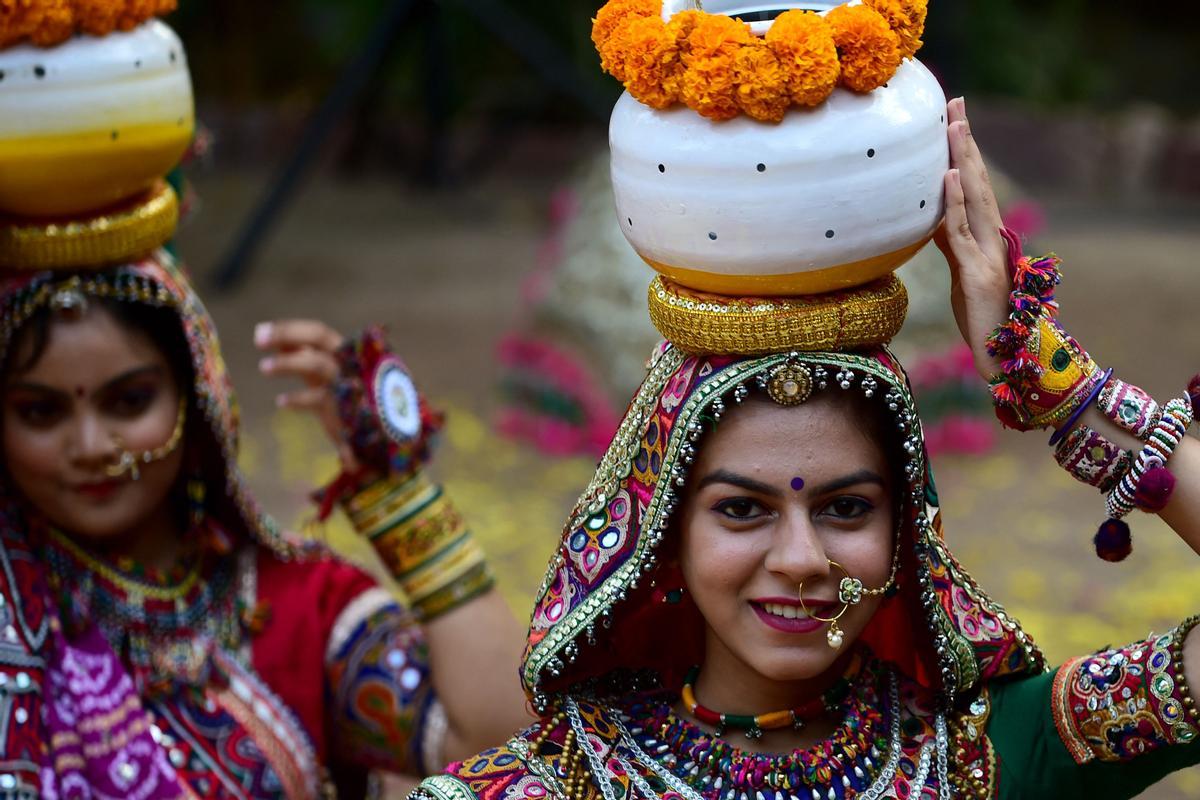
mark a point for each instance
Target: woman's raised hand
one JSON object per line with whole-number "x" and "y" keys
{"x": 971, "y": 242}
{"x": 305, "y": 349}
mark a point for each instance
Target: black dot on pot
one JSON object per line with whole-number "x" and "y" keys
{"x": 762, "y": 167}
{"x": 712, "y": 235}
{"x": 829, "y": 234}
{"x": 943, "y": 117}
{"x": 922, "y": 204}
{"x": 630, "y": 221}
{"x": 871, "y": 153}
{"x": 1, "y": 74}
{"x": 39, "y": 71}
{"x": 662, "y": 167}
{"x": 885, "y": 86}
{"x": 137, "y": 64}
{"x": 173, "y": 56}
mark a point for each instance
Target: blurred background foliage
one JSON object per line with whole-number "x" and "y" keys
{"x": 1101, "y": 54}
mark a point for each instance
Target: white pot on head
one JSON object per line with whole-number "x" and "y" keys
{"x": 830, "y": 198}
{"x": 92, "y": 121}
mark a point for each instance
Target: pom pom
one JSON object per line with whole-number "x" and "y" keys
{"x": 1113, "y": 541}
{"x": 1194, "y": 394}
{"x": 869, "y": 48}
{"x": 1155, "y": 490}
{"x": 803, "y": 41}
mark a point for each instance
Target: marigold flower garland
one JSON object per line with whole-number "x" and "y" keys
{"x": 713, "y": 64}
{"x": 50, "y": 22}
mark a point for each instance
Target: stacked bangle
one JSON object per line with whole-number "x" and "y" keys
{"x": 1148, "y": 484}
{"x": 424, "y": 542}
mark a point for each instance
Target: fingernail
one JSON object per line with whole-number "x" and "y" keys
{"x": 262, "y": 334}
{"x": 266, "y": 365}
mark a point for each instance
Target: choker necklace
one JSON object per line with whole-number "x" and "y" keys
{"x": 754, "y": 726}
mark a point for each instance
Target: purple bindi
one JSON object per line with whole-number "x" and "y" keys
{"x": 797, "y": 484}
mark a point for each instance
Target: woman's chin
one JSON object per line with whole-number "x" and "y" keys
{"x": 796, "y": 663}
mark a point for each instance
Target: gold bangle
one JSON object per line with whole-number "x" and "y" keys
{"x": 121, "y": 234}
{"x": 703, "y": 323}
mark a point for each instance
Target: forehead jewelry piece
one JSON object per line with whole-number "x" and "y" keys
{"x": 128, "y": 462}
{"x": 69, "y": 300}
{"x": 790, "y": 384}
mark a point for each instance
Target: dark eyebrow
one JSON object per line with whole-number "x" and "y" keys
{"x": 858, "y": 478}
{"x": 741, "y": 481}
{"x": 137, "y": 372}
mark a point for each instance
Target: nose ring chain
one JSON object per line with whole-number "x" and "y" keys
{"x": 851, "y": 592}
{"x": 128, "y": 462}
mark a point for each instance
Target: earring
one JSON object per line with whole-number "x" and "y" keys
{"x": 196, "y": 495}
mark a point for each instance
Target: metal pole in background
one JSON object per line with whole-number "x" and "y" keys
{"x": 352, "y": 80}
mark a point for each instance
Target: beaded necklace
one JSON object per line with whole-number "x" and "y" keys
{"x": 164, "y": 632}
{"x": 846, "y": 765}
{"x": 755, "y": 726}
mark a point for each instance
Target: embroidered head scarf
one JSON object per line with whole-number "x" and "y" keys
{"x": 72, "y": 725}
{"x": 595, "y": 614}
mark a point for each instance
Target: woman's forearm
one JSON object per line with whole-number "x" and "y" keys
{"x": 475, "y": 655}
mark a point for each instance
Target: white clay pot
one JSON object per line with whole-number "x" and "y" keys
{"x": 92, "y": 121}
{"x": 830, "y": 198}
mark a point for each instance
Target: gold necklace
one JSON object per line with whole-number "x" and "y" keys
{"x": 130, "y": 585}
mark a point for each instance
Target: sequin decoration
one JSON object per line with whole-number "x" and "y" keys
{"x": 1119, "y": 704}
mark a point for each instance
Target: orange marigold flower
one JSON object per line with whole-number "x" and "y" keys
{"x": 708, "y": 85}
{"x": 762, "y": 82}
{"x": 652, "y": 64}
{"x": 612, "y": 16}
{"x": 907, "y": 19}
{"x": 611, "y": 32}
{"x": 869, "y": 48}
{"x": 98, "y": 17}
{"x": 44, "y": 22}
{"x": 803, "y": 41}
{"x": 136, "y": 12}
{"x": 680, "y": 28}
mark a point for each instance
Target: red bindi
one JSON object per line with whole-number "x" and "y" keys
{"x": 79, "y": 392}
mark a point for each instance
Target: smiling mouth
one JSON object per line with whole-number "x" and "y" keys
{"x": 782, "y": 611}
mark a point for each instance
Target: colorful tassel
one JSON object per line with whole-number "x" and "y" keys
{"x": 1003, "y": 393}
{"x": 1113, "y": 541}
{"x": 1155, "y": 489}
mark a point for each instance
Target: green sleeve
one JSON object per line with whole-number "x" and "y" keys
{"x": 1033, "y": 761}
